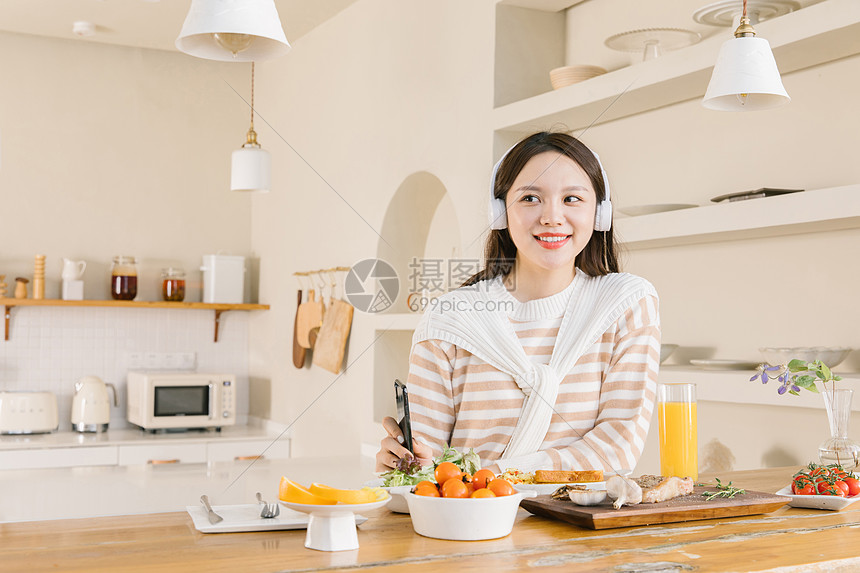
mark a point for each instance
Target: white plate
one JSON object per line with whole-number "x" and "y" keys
{"x": 637, "y": 210}
{"x": 724, "y": 364}
{"x": 398, "y": 502}
{"x": 332, "y": 527}
{"x": 548, "y": 488}
{"x": 832, "y": 502}
{"x": 238, "y": 518}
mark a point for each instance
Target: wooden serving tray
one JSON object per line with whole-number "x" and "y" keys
{"x": 687, "y": 508}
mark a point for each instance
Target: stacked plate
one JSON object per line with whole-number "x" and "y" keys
{"x": 567, "y": 75}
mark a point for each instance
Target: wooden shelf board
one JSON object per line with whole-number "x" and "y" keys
{"x": 131, "y": 304}
{"x": 734, "y": 386}
{"x": 9, "y": 303}
{"x": 542, "y": 5}
{"x": 809, "y": 211}
{"x": 814, "y": 35}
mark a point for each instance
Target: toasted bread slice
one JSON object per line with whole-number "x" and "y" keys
{"x": 568, "y": 476}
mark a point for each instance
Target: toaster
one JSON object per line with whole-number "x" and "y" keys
{"x": 28, "y": 412}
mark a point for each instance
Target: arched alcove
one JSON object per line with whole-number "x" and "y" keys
{"x": 420, "y": 224}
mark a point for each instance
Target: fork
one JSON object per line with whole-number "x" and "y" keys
{"x": 269, "y": 509}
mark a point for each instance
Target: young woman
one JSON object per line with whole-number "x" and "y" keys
{"x": 548, "y": 357}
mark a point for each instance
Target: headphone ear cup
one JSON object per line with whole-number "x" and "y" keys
{"x": 498, "y": 215}
{"x": 603, "y": 216}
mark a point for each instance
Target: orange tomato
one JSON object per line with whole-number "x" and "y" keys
{"x": 427, "y": 489}
{"x": 483, "y": 492}
{"x": 454, "y": 487}
{"x": 470, "y": 488}
{"x": 482, "y": 478}
{"x": 446, "y": 471}
{"x": 426, "y": 483}
{"x": 501, "y": 487}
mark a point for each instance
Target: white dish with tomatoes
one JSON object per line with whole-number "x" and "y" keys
{"x": 822, "y": 487}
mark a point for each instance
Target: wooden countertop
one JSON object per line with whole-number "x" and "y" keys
{"x": 790, "y": 538}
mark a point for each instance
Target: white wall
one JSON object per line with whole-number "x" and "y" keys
{"x": 380, "y": 92}
{"x": 110, "y": 150}
{"x": 389, "y": 88}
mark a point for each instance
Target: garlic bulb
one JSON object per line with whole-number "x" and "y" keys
{"x": 587, "y": 496}
{"x": 624, "y": 491}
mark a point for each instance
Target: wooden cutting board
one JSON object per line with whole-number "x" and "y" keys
{"x": 331, "y": 342}
{"x": 309, "y": 315}
{"x": 688, "y": 508}
{"x": 299, "y": 352}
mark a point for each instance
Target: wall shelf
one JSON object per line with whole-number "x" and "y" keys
{"x": 814, "y": 35}
{"x": 809, "y": 211}
{"x": 9, "y": 303}
{"x": 734, "y": 386}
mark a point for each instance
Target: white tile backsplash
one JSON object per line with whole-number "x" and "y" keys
{"x": 49, "y": 348}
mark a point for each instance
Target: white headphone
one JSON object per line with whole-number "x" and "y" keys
{"x": 498, "y": 216}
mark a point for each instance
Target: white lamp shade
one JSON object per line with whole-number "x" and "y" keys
{"x": 745, "y": 66}
{"x": 257, "y": 19}
{"x": 251, "y": 170}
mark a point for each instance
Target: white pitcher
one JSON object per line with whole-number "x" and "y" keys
{"x": 73, "y": 270}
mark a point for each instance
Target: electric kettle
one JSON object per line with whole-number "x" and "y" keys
{"x": 91, "y": 405}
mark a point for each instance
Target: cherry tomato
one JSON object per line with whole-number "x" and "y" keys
{"x": 454, "y": 487}
{"x": 803, "y": 487}
{"x": 501, "y": 487}
{"x": 483, "y": 492}
{"x": 482, "y": 478}
{"x": 825, "y": 488}
{"x": 426, "y": 483}
{"x": 446, "y": 471}
{"x": 427, "y": 490}
{"x": 853, "y": 486}
{"x": 843, "y": 486}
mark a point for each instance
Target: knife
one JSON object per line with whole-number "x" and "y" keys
{"x": 213, "y": 517}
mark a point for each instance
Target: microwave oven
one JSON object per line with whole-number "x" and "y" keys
{"x": 181, "y": 400}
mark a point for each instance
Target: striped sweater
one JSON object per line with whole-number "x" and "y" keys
{"x": 604, "y": 404}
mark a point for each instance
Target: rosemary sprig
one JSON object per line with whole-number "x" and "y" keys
{"x": 728, "y": 491}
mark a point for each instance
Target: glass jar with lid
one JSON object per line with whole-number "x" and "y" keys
{"x": 173, "y": 284}
{"x": 123, "y": 279}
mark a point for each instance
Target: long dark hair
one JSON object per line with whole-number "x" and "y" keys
{"x": 599, "y": 255}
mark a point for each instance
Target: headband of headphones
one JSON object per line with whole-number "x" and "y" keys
{"x": 498, "y": 216}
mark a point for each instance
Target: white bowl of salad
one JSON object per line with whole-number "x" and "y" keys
{"x": 403, "y": 478}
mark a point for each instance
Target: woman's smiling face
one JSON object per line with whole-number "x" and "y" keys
{"x": 550, "y": 209}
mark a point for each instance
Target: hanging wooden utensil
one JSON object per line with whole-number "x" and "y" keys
{"x": 299, "y": 353}
{"x": 331, "y": 344}
{"x": 308, "y": 316}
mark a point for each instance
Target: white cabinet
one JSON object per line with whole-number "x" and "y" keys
{"x": 58, "y": 457}
{"x": 247, "y": 450}
{"x": 188, "y": 453}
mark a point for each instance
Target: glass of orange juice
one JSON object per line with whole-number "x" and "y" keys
{"x": 676, "y": 415}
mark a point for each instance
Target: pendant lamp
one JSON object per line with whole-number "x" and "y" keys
{"x": 233, "y": 31}
{"x": 251, "y": 164}
{"x": 745, "y": 77}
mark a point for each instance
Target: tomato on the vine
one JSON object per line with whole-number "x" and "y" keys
{"x": 842, "y": 485}
{"x": 825, "y": 488}
{"x": 853, "y": 486}
{"x": 802, "y": 485}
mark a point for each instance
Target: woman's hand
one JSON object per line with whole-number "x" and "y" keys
{"x": 391, "y": 448}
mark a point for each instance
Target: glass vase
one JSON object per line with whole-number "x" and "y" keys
{"x": 839, "y": 448}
